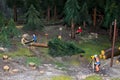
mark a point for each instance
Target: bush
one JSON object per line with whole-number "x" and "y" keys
{"x": 58, "y": 47}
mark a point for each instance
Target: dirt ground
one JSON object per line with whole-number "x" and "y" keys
{"x": 20, "y": 71}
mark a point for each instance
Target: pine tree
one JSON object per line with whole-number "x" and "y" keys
{"x": 72, "y": 9}
{"x": 8, "y": 32}
{"x": 11, "y": 29}
{"x": 1, "y": 20}
{"x": 33, "y": 19}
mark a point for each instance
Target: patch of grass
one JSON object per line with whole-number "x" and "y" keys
{"x": 75, "y": 63}
{"x": 94, "y": 77}
{"x": 95, "y": 46}
{"x": 20, "y": 52}
{"x": 35, "y": 60}
{"x": 62, "y": 77}
{"x": 59, "y": 64}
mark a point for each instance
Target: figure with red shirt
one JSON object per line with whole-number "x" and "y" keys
{"x": 79, "y": 30}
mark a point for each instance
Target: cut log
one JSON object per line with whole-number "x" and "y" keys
{"x": 107, "y": 53}
{"x": 39, "y": 45}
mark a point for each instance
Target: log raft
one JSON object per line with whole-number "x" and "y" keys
{"x": 105, "y": 54}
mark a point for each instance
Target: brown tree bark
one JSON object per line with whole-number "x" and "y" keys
{"x": 94, "y": 17}
{"x": 84, "y": 24}
{"x": 55, "y": 12}
{"x": 72, "y": 30}
{"x": 15, "y": 13}
{"x": 48, "y": 13}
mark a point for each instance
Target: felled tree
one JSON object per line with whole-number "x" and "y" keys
{"x": 33, "y": 19}
{"x": 58, "y": 47}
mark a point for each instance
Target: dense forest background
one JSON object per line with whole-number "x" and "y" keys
{"x": 90, "y": 14}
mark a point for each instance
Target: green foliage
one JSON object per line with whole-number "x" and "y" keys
{"x": 11, "y": 29}
{"x": 94, "y": 77}
{"x": 33, "y": 20}
{"x": 8, "y": 32}
{"x": 1, "y": 20}
{"x": 84, "y": 14}
{"x": 111, "y": 13}
{"x": 13, "y": 3}
{"x": 71, "y": 11}
{"x": 4, "y": 41}
{"x": 58, "y": 47}
{"x": 62, "y": 77}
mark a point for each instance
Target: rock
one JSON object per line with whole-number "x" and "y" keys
{"x": 3, "y": 49}
{"x": 15, "y": 70}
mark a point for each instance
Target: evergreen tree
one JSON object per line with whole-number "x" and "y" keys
{"x": 72, "y": 10}
{"x": 1, "y": 20}
{"x": 8, "y": 32}
{"x": 11, "y": 29}
{"x": 33, "y": 19}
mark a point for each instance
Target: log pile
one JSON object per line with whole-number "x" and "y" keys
{"x": 105, "y": 54}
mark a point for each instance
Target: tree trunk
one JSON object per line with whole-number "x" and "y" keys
{"x": 72, "y": 30}
{"x": 94, "y": 17}
{"x": 48, "y": 13}
{"x": 15, "y": 13}
{"x": 84, "y": 24}
{"x": 55, "y": 12}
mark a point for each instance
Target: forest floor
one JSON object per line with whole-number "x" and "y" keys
{"x": 46, "y": 71}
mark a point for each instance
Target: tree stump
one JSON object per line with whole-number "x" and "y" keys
{"x": 32, "y": 65}
{"x": 6, "y": 68}
{"x": 5, "y": 57}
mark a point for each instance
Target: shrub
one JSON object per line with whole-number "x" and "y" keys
{"x": 58, "y": 47}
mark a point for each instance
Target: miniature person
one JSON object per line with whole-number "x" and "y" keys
{"x": 79, "y": 30}
{"x": 34, "y": 38}
{"x": 97, "y": 63}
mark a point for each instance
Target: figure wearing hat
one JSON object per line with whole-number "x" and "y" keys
{"x": 97, "y": 62}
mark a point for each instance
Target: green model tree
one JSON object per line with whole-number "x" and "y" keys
{"x": 8, "y": 32}
{"x": 72, "y": 10}
{"x": 59, "y": 47}
{"x": 33, "y": 21}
